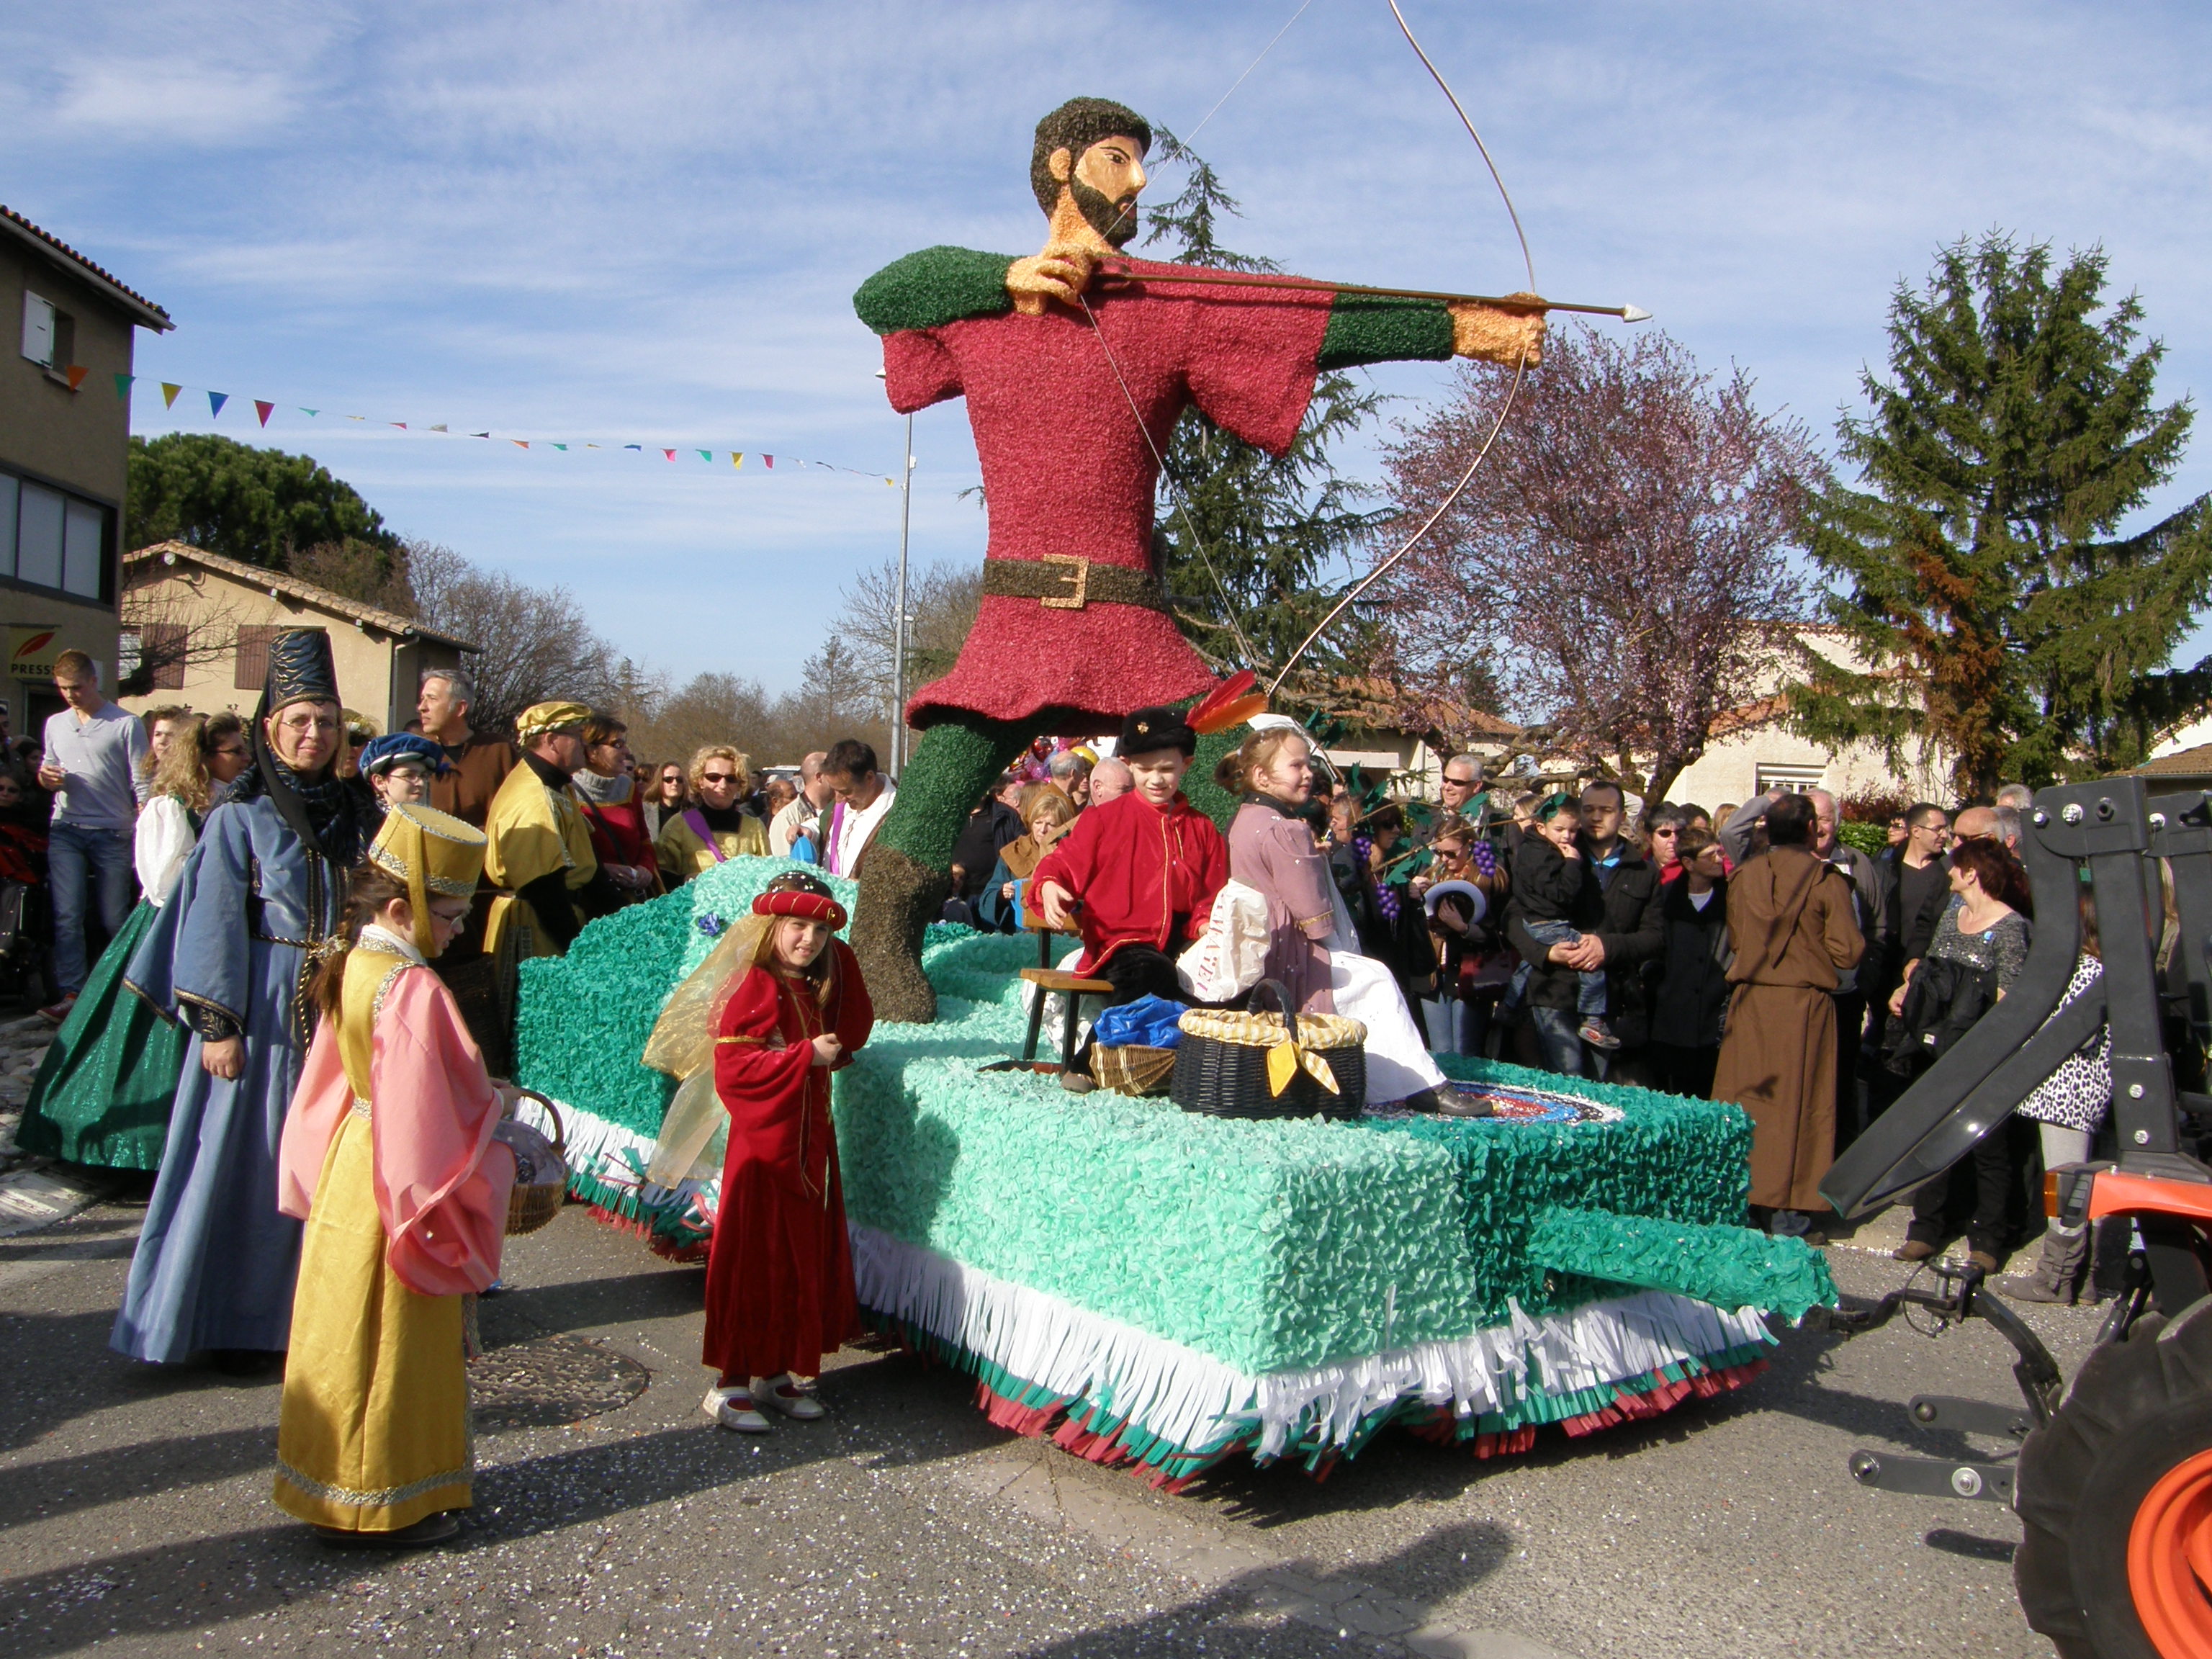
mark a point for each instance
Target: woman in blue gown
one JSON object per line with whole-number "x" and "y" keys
{"x": 230, "y": 957}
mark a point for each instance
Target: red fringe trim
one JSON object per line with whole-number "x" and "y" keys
{"x": 683, "y": 1252}
{"x": 1662, "y": 1396}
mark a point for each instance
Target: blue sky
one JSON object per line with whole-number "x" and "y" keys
{"x": 644, "y": 222}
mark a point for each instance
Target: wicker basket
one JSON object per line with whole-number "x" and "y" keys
{"x": 1132, "y": 1068}
{"x": 1221, "y": 1066}
{"x": 530, "y": 1207}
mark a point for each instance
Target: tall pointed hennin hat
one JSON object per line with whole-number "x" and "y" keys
{"x": 300, "y": 670}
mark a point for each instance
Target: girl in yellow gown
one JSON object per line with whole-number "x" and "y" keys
{"x": 395, "y": 1156}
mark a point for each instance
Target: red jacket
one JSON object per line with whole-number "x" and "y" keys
{"x": 1136, "y": 868}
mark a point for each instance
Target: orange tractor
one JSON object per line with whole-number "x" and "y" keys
{"x": 2112, "y": 1478}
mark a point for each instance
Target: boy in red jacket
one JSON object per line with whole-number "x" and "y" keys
{"x": 1139, "y": 875}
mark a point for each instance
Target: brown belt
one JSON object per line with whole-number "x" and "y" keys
{"x": 1065, "y": 581}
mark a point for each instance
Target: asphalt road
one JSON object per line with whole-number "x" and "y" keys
{"x": 137, "y": 1517}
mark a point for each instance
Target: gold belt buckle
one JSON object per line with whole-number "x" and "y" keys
{"x": 1079, "y": 579}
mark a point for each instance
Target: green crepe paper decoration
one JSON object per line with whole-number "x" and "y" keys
{"x": 1204, "y": 794}
{"x": 952, "y": 766}
{"x": 581, "y": 1020}
{"x": 935, "y": 286}
{"x": 1365, "y": 328}
{"x": 1264, "y": 1245}
{"x": 1728, "y": 1266}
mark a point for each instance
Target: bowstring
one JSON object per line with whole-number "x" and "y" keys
{"x": 1175, "y": 495}
{"x": 1520, "y": 368}
{"x": 1240, "y": 79}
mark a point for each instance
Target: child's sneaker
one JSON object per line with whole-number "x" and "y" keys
{"x": 1598, "y": 1034}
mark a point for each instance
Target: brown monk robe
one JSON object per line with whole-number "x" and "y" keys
{"x": 1790, "y": 916}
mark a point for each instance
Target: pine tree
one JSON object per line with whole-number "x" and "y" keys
{"x": 1996, "y": 614}
{"x": 1246, "y": 538}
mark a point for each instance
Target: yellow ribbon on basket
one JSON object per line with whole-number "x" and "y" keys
{"x": 1284, "y": 1059}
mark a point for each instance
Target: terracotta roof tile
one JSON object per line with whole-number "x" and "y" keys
{"x": 261, "y": 576}
{"x": 148, "y": 313}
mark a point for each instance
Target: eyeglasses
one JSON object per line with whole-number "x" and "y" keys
{"x": 1464, "y": 783}
{"x": 1669, "y": 831}
{"x": 718, "y": 777}
{"x": 307, "y": 723}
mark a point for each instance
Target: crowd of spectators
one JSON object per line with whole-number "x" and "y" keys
{"x": 1747, "y": 953}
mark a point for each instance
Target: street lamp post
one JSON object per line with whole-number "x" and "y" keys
{"x": 898, "y": 630}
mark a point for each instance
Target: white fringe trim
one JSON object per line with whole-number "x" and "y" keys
{"x": 615, "y": 1157}
{"x": 1197, "y": 1404}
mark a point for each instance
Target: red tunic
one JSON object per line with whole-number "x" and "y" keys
{"x": 1067, "y": 471}
{"x": 1136, "y": 868}
{"x": 780, "y": 1270}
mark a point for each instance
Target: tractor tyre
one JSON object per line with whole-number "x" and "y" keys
{"x": 2115, "y": 1500}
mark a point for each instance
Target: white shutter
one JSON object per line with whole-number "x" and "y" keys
{"x": 38, "y": 329}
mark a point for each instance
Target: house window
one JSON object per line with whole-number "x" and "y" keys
{"x": 37, "y": 330}
{"x": 51, "y": 538}
{"x": 1794, "y": 779}
{"x": 152, "y": 656}
{"x": 49, "y": 334}
{"x": 252, "y": 666}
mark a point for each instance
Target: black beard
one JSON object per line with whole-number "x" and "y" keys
{"x": 1105, "y": 214}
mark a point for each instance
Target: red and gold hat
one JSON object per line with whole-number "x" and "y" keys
{"x": 802, "y": 896}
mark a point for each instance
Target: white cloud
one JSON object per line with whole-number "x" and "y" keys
{"x": 577, "y": 219}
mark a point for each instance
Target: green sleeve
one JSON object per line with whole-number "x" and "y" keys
{"x": 936, "y": 285}
{"x": 1365, "y": 328}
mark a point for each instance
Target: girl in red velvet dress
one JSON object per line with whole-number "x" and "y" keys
{"x": 780, "y": 1270}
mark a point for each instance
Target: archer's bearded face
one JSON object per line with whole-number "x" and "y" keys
{"x": 1106, "y": 184}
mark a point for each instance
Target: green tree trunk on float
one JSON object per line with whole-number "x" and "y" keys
{"x": 906, "y": 874}
{"x": 1995, "y": 617}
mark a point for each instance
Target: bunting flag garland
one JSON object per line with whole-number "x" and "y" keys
{"x": 76, "y": 373}
{"x": 265, "y": 408}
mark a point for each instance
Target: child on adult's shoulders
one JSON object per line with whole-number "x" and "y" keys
{"x": 1548, "y": 873}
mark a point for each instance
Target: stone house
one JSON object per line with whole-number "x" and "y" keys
{"x": 199, "y": 625}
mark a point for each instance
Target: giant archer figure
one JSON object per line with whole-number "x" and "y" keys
{"x": 1076, "y": 364}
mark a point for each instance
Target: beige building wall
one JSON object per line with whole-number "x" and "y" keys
{"x": 379, "y": 669}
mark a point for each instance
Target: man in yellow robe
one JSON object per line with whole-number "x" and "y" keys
{"x": 539, "y": 850}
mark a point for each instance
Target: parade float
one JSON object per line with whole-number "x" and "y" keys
{"x": 1165, "y": 1290}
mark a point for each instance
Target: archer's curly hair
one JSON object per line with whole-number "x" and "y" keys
{"x": 1075, "y": 126}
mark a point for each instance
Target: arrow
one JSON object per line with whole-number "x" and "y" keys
{"x": 1626, "y": 313}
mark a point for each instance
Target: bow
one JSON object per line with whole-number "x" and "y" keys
{"x": 1520, "y": 368}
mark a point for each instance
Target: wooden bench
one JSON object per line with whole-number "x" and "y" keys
{"x": 1049, "y": 979}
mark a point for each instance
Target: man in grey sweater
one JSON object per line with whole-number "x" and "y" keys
{"x": 92, "y": 766}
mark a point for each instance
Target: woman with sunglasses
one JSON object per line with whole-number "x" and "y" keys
{"x": 716, "y": 830}
{"x": 666, "y": 794}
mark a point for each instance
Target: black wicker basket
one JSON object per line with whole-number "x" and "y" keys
{"x": 1226, "y": 1078}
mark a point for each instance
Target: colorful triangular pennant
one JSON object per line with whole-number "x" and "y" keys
{"x": 215, "y": 401}
{"x": 122, "y": 385}
{"x": 264, "y": 411}
{"x": 169, "y": 391}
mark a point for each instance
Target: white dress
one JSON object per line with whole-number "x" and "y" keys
{"x": 1399, "y": 1062}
